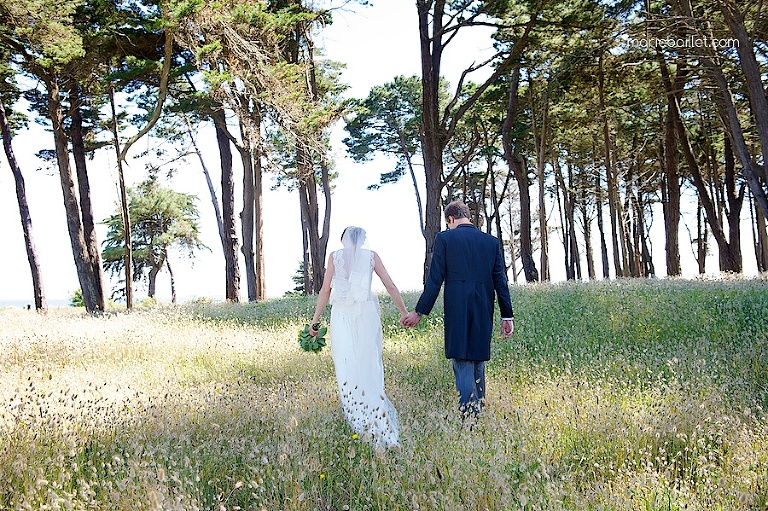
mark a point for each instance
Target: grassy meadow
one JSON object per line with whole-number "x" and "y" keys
{"x": 625, "y": 395}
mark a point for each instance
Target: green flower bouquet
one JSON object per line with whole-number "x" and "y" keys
{"x": 308, "y": 342}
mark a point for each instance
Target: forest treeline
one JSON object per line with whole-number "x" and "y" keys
{"x": 604, "y": 113}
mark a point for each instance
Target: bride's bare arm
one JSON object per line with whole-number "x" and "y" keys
{"x": 324, "y": 295}
{"x": 389, "y": 285}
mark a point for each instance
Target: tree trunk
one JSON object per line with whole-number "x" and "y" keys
{"x": 591, "y": 273}
{"x": 671, "y": 197}
{"x": 209, "y": 182}
{"x": 601, "y": 226}
{"x": 247, "y": 215}
{"x": 85, "y": 275}
{"x": 630, "y": 229}
{"x": 258, "y": 225}
{"x": 231, "y": 241}
{"x": 86, "y": 208}
{"x": 517, "y": 167}
{"x": 566, "y": 220}
{"x": 613, "y": 210}
{"x": 753, "y": 173}
{"x": 632, "y": 219}
{"x": 539, "y": 137}
{"x": 513, "y": 258}
{"x": 306, "y": 266}
{"x": 646, "y": 258}
{"x": 497, "y": 199}
{"x": 318, "y": 238}
{"x": 735, "y": 200}
{"x": 760, "y": 238}
{"x": 173, "y": 280}
{"x": 433, "y": 140}
{"x": 152, "y": 278}
{"x": 702, "y": 245}
{"x": 26, "y": 219}
{"x": 310, "y": 215}
{"x": 415, "y": 183}
{"x": 671, "y": 167}
{"x": 325, "y": 235}
{"x": 124, "y": 208}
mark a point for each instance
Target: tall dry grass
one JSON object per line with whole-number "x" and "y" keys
{"x": 615, "y": 395}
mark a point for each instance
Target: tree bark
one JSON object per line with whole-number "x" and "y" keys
{"x": 647, "y": 267}
{"x": 702, "y": 244}
{"x": 88, "y": 283}
{"x": 433, "y": 133}
{"x": 209, "y": 182}
{"x": 517, "y": 166}
{"x": 26, "y": 219}
{"x": 760, "y": 238}
{"x": 569, "y": 201}
{"x": 247, "y": 215}
{"x": 671, "y": 168}
{"x": 86, "y": 208}
{"x": 671, "y": 197}
{"x": 231, "y": 241}
{"x": 258, "y": 225}
{"x": 735, "y": 200}
{"x": 601, "y": 226}
{"x": 152, "y": 277}
{"x": 540, "y": 143}
{"x": 173, "y": 280}
{"x": 513, "y": 258}
{"x": 127, "y": 236}
{"x": 613, "y": 210}
{"x": 316, "y": 241}
{"x": 587, "y": 224}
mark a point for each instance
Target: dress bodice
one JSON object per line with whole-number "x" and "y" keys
{"x": 353, "y": 270}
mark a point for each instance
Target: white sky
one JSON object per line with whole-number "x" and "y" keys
{"x": 377, "y": 43}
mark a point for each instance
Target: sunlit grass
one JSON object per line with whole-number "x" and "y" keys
{"x": 646, "y": 395}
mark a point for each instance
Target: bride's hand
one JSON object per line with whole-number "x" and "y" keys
{"x": 314, "y": 331}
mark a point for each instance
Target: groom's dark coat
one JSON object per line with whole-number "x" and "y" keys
{"x": 470, "y": 264}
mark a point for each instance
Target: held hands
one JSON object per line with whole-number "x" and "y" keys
{"x": 410, "y": 320}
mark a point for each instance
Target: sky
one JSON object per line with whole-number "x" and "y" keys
{"x": 377, "y": 43}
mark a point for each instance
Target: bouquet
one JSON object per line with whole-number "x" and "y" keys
{"x": 308, "y": 342}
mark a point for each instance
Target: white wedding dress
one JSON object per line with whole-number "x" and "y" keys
{"x": 355, "y": 337}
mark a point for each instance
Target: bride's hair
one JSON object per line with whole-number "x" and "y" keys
{"x": 355, "y": 236}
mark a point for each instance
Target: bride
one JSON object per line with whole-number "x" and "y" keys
{"x": 356, "y": 336}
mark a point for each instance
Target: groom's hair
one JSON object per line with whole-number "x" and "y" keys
{"x": 457, "y": 209}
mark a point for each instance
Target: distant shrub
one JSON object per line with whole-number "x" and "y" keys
{"x": 76, "y": 300}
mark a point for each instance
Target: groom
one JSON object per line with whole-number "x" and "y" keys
{"x": 470, "y": 264}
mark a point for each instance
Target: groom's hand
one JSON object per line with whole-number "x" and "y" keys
{"x": 507, "y": 327}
